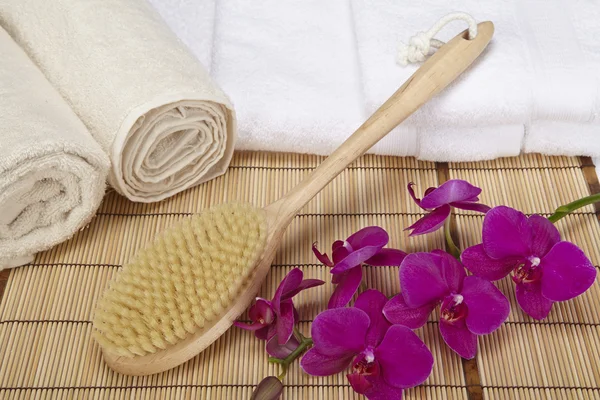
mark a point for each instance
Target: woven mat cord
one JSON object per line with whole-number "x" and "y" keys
{"x": 46, "y": 350}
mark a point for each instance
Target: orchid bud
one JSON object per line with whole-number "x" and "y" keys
{"x": 269, "y": 388}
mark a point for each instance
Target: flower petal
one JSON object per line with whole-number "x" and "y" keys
{"x": 421, "y": 279}
{"x": 411, "y": 191}
{"x": 480, "y": 264}
{"x": 340, "y": 331}
{"x": 359, "y": 383}
{"x": 531, "y": 300}
{"x": 506, "y": 233}
{"x": 371, "y": 236}
{"x": 472, "y": 206}
{"x": 458, "y": 337}
{"x": 567, "y": 272}
{"x": 347, "y": 285}
{"x": 429, "y": 190}
{"x": 380, "y": 390}
{"x": 387, "y": 257}
{"x": 337, "y": 244}
{"x": 405, "y": 360}
{"x": 372, "y": 302}
{"x": 365, "y": 244}
{"x": 337, "y": 278}
{"x": 288, "y": 284}
{"x": 323, "y": 258}
{"x": 397, "y": 312}
{"x": 262, "y": 309}
{"x": 305, "y": 284}
{"x": 317, "y": 364}
{"x": 449, "y": 192}
{"x": 265, "y": 333}
{"x": 285, "y": 321}
{"x": 545, "y": 235}
{"x": 452, "y": 271}
{"x": 430, "y": 222}
{"x": 488, "y": 307}
{"x": 339, "y": 250}
{"x": 275, "y": 349}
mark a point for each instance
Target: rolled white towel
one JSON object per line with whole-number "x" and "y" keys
{"x": 52, "y": 172}
{"x": 148, "y": 102}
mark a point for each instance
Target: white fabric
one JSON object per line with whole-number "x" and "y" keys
{"x": 52, "y": 172}
{"x": 144, "y": 97}
{"x": 304, "y": 75}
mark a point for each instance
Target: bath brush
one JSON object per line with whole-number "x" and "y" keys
{"x": 181, "y": 293}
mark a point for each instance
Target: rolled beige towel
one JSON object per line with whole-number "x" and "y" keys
{"x": 149, "y": 103}
{"x": 52, "y": 172}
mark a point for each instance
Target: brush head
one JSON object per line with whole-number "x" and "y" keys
{"x": 183, "y": 283}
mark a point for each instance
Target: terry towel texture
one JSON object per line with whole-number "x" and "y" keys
{"x": 52, "y": 172}
{"x": 143, "y": 96}
{"x": 304, "y": 75}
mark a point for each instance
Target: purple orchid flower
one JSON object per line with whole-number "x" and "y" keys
{"x": 453, "y": 193}
{"x": 385, "y": 358}
{"x": 545, "y": 269}
{"x": 362, "y": 247}
{"x": 274, "y": 320}
{"x": 470, "y": 305}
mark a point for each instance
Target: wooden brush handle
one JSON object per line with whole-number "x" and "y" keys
{"x": 434, "y": 75}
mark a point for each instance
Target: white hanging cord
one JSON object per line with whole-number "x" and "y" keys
{"x": 419, "y": 45}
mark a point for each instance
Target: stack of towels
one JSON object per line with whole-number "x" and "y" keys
{"x": 304, "y": 75}
{"x": 91, "y": 90}
{"x": 104, "y": 89}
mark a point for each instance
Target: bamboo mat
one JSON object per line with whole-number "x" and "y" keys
{"x": 46, "y": 349}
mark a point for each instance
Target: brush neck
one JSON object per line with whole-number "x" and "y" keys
{"x": 433, "y": 76}
{"x": 375, "y": 128}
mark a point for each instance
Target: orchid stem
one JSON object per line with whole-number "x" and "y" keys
{"x": 452, "y": 248}
{"x": 305, "y": 344}
{"x": 298, "y": 334}
{"x": 284, "y": 369}
{"x": 566, "y": 209}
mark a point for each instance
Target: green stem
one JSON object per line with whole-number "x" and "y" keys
{"x": 566, "y": 209}
{"x": 305, "y": 344}
{"x": 452, "y": 248}
{"x": 298, "y": 334}
{"x": 284, "y": 369}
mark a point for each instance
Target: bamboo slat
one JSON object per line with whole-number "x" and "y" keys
{"x": 46, "y": 350}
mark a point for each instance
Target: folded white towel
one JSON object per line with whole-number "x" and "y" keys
{"x": 52, "y": 172}
{"x": 292, "y": 100}
{"x": 148, "y": 102}
{"x": 304, "y": 75}
{"x": 566, "y": 79}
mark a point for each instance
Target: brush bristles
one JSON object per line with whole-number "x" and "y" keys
{"x": 185, "y": 280}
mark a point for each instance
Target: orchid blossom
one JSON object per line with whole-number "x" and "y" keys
{"x": 470, "y": 306}
{"x": 274, "y": 320}
{"x": 438, "y": 201}
{"x": 348, "y": 256}
{"x": 385, "y": 358}
{"x": 545, "y": 269}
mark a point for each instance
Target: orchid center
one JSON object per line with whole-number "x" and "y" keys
{"x": 365, "y": 364}
{"x": 453, "y": 308}
{"x": 527, "y": 271}
{"x": 348, "y": 246}
{"x": 262, "y": 312}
